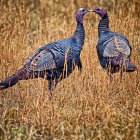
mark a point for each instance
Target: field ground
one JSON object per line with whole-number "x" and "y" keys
{"x": 87, "y": 105}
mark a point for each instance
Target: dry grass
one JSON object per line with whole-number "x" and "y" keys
{"x": 86, "y": 106}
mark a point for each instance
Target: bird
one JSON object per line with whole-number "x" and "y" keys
{"x": 113, "y": 49}
{"x": 53, "y": 61}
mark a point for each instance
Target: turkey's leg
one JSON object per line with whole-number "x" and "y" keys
{"x": 109, "y": 72}
{"x": 79, "y": 64}
{"x": 52, "y": 84}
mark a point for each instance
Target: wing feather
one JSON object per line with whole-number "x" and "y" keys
{"x": 114, "y": 46}
{"x": 43, "y": 60}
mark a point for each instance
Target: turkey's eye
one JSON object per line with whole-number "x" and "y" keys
{"x": 83, "y": 10}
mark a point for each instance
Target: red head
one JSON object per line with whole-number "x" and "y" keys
{"x": 80, "y": 13}
{"x": 100, "y": 11}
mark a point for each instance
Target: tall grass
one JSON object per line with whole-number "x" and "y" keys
{"x": 86, "y": 106}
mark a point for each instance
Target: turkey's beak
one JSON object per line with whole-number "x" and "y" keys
{"x": 94, "y": 10}
{"x": 88, "y": 11}
{"x": 91, "y": 10}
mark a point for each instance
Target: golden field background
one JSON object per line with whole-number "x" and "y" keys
{"x": 86, "y": 106}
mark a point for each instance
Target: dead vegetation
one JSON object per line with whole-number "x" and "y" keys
{"x": 86, "y": 106}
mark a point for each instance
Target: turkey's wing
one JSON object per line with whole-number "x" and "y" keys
{"x": 115, "y": 46}
{"x": 44, "y": 60}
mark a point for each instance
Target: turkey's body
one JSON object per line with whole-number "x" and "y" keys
{"x": 113, "y": 49}
{"x": 54, "y": 61}
{"x": 58, "y": 60}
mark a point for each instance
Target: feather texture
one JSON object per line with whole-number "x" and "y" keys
{"x": 55, "y": 60}
{"x": 113, "y": 48}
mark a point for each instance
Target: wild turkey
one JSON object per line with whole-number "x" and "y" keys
{"x": 113, "y": 49}
{"x": 55, "y": 60}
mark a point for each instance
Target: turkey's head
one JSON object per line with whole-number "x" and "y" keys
{"x": 100, "y": 11}
{"x": 80, "y": 13}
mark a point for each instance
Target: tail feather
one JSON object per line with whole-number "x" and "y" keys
{"x": 122, "y": 62}
{"x": 129, "y": 66}
{"x": 13, "y": 79}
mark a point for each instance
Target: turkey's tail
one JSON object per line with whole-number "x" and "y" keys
{"x": 124, "y": 63}
{"x": 13, "y": 79}
{"x": 129, "y": 66}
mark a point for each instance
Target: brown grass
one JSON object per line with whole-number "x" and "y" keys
{"x": 86, "y": 106}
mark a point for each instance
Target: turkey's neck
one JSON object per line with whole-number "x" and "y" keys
{"x": 103, "y": 25}
{"x": 80, "y": 33}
